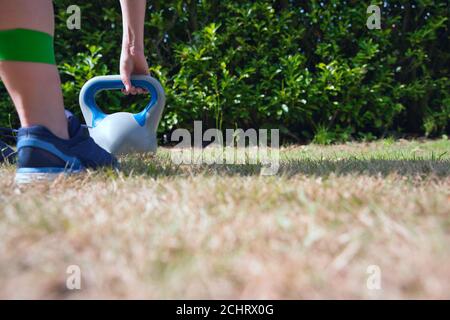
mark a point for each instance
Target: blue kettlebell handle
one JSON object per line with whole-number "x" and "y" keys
{"x": 114, "y": 82}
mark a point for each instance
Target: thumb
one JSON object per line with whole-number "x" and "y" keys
{"x": 127, "y": 83}
{"x": 125, "y": 77}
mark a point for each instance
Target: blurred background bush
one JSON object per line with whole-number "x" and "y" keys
{"x": 310, "y": 68}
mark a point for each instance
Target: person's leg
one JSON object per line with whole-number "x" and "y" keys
{"x": 48, "y": 143}
{"x": 35, "y": 88}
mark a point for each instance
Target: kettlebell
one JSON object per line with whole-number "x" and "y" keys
{"x": 123, "y": 132}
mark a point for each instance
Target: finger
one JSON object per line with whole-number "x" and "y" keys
{"x": 126, "y": 82}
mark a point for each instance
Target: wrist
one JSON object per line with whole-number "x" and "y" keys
{"x": 131, "y": 47}
{"x": 131, "y": 42}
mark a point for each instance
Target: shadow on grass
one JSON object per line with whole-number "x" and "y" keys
{"x": 157, "y": 166}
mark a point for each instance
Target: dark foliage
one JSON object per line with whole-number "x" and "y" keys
{"x": 311, "y": 68}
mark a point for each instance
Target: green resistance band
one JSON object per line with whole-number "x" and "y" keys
{"x": 26, "y": 45}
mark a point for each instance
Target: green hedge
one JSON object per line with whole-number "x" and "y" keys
{"x": 311, "y": 68}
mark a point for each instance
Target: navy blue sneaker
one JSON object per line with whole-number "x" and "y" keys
{"x": 44, "y": 156}
{"x": 7, "y": 154}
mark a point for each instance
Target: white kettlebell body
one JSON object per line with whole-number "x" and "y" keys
{"x": 123, "y": 132}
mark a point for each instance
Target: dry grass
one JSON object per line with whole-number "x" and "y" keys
{"x": 157, "y": 230}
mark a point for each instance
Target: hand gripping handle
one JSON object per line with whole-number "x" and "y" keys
{"x": 93, "y": 114}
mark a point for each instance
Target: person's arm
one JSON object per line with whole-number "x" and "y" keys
{"x": 132, "y": 59}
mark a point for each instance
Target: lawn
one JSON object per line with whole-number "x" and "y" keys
{"x": 317, "y": 229}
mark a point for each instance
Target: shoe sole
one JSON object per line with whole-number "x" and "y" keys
{"x": 34, "y": 175}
